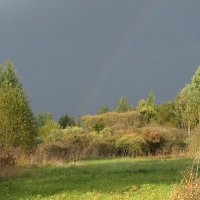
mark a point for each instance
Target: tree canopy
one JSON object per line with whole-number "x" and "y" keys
{"x": 17, "y": 124}
{"x": 147, "y": 107}
{"x": 123, "y": 105}
{"x": 66, "y": 120}
{"x": 102, "y": 110}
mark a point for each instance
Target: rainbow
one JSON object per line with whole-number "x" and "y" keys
{"x": 118, "y": 51}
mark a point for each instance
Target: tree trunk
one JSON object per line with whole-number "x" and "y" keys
{"x": 189, "y": 131}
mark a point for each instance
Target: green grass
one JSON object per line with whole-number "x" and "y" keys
{"x": 123, "y": 178}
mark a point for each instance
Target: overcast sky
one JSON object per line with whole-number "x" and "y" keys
{"x": 75, "y": 55}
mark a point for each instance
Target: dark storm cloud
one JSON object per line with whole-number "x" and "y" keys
{"x": 74, "y": 55}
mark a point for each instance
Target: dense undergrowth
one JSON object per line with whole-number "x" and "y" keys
{"x": 112, "y": 135}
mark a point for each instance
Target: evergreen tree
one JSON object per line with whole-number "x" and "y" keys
{"x": 43, "y": 118}
{"x": 8, "y": 75}
{"x": 17, "y": 128}
{"x": 123, "y": 105}
{"x": 151, "y": 99}
{"x": 102, "y": 110}
{"x": 147, "y": 107}
{"x": 66, "y": 120}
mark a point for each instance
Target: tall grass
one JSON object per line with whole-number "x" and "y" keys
{"x": 124, "y": 178}
{"x": 189, "y": 189}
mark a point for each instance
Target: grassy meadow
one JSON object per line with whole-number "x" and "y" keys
{"x": 112, "y": 179}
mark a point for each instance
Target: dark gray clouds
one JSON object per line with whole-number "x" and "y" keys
{"x": 74, "y": 55}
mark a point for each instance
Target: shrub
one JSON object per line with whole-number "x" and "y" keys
{"x": 125, "y": 120}
{"x": 68, "y": 143}
{"x": 106, "y": 132}
{"x": 49, "y": 126}
{"x": 7, "y": 161}
{"x": 98, "y": 126}
{"x": 64, "y": 135}
{"x": 131, "y": 145}
{"x": 56, "y": 135}
{"x": 74, "y": 143}
{"x": 52, "y": 151}
{"x": 69, "y": 152}
{"x": 171, "y": 139}
{"x": 101, "y": 146}
{"x": 73, "y": 130}
{"x": 153, "y": 141}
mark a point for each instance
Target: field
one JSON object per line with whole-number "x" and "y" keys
{"x": 113, "y": 179}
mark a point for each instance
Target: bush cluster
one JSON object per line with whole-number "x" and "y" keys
{"x": 73, "y": 143}
{"x": 153, "y": 140}
{"x": 165, "y": 140}
{"x": 132, "y": 145}
{"x": 111, "y": 119}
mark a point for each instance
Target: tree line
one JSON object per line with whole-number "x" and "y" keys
{"x": 183, "y": 111}
{"x": 19, "y": 127}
